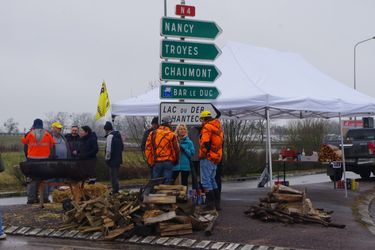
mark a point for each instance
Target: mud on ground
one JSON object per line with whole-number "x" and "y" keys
{"x": 33, "y": 216}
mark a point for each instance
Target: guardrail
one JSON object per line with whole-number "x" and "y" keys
{"x": 12, "y": 134}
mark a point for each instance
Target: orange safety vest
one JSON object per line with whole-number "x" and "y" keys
{"x": 211, "y": 141}
{"x": 162, "y": 145}
{"x": 38, "y": 149}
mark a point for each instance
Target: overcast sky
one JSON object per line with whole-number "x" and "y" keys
{"x": 54, "y": 54}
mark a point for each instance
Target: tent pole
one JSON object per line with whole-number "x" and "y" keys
{"x": 269, "y": 145}
{"x": 267, "y": 165}
{"x": 343, "y": 156}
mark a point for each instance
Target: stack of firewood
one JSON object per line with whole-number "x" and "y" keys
{"x": 329, "y": 153}
{"x": 162, "y": 210}
{"x": 165, "y": 211}
{"x": 170, "y": 217}
{"x": 289, "y": 206}
{"x": 110, "y": 214}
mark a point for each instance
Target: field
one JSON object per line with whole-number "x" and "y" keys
{"x": 134, "y": 170}
{"x": 8, "y": 180}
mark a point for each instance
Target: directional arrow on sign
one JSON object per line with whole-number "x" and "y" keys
{"x": 179, "y": 27}
{"x": 189, "y": 50}
{"x": 188, "y": 92}
{"x": 189, "y": 72}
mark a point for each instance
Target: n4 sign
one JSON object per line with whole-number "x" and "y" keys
{"x": 185, "y": 10}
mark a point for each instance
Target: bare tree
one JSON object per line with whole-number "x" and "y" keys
{"x": 88, "y": 119}
{"x": 240, "y": 139}
{"x": 135, "y": 127}
{"x": 333, "y": 127}
{"x": 154, "y": 84}
{"x": 51, "y": 117}
{"x": 307, "y": 134}
{"x": 11, "y": 126}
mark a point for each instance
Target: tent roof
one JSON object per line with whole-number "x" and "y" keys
{"x": 255, "y": 78}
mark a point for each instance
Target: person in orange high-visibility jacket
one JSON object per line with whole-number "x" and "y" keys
{"x": 39, "y": 144}
{"x": 162, "y": 151}
{"x": 210, "y": 154}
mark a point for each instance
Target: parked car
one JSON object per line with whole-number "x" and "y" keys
{"x": 359, "y": 150}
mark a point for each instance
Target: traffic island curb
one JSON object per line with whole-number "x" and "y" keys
{"x": 361, "y": 209}
{"x": 172, "y": 242}
{"x": 12, "y": 194}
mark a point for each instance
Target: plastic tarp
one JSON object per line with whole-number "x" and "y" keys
{"x": 255, "y": 78}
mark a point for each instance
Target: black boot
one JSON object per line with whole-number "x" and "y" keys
{"x": 210, "y": 201}
{"x": 217, "y": 196}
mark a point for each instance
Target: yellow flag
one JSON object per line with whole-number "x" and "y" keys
{"x": 103, "y": 104}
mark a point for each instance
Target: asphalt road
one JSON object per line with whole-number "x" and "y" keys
{"x": 237, "y": 197}
{"x": 227, "y": 186}
{"x": 234, "y": 226}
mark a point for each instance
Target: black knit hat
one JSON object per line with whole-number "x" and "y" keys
{"x": 38, "y": 124}
{"x": 108, "y": 126}
{"x": 155, "y": 120}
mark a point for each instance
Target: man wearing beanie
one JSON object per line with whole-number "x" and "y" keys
{"x": 39, "y": 144}
{"x": 113, "y": 154}
{"x": 154, "y": 125}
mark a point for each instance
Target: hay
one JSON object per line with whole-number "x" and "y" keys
{"x": 90, "y": 190}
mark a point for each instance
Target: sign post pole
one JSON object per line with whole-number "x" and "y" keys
{"x": 182, "y": 39}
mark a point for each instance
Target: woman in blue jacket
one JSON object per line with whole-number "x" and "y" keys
{"x": 186, "y": 152}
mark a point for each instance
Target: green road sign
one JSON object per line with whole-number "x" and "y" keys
{"x": 189, "y": 50}
{"x": 188, "y": 72}
{"x": 188, "y": 92}
{"x": 179, "y": 27}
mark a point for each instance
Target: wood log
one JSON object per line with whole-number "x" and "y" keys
{"x": 182, "y": 219}
{"x": 177, "y": 233}
{"x": 167, "y": 192}
{"x": 159, "y": 200}
{"x": 197, "y": 224}
{"x": 92, "y": 229}
{"x": 109, "y": 224}
{"x": 165, "y": 227}
{"x": 157, "y": 195}
{"x": 152, "y": 213}
{"x": 210, "y": 228}
{"x": 287, "y": 190}
{"x": 287, "y": 197}
{"x": 170, "y": 229}
{"x": 169, "y": 187}
{"x": 117, "y": 232}
{"x": 160, "y": 218}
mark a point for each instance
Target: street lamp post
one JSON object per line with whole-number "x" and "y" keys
{"x": 355, "y": 78}
{"x": 355, "y": 49}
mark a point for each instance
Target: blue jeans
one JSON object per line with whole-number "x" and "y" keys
{"x": 163, "y": 169}
{"x": 1, "y": 224}
{"x": 208, "y": 173}
{"x": 33, "y": 190}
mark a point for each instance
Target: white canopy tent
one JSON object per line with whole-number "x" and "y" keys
{"x": 260, "y": 82}
{"x": 254, "y": 78}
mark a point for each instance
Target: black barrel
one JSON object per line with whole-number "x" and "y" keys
{"x": 68, "y": 169}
